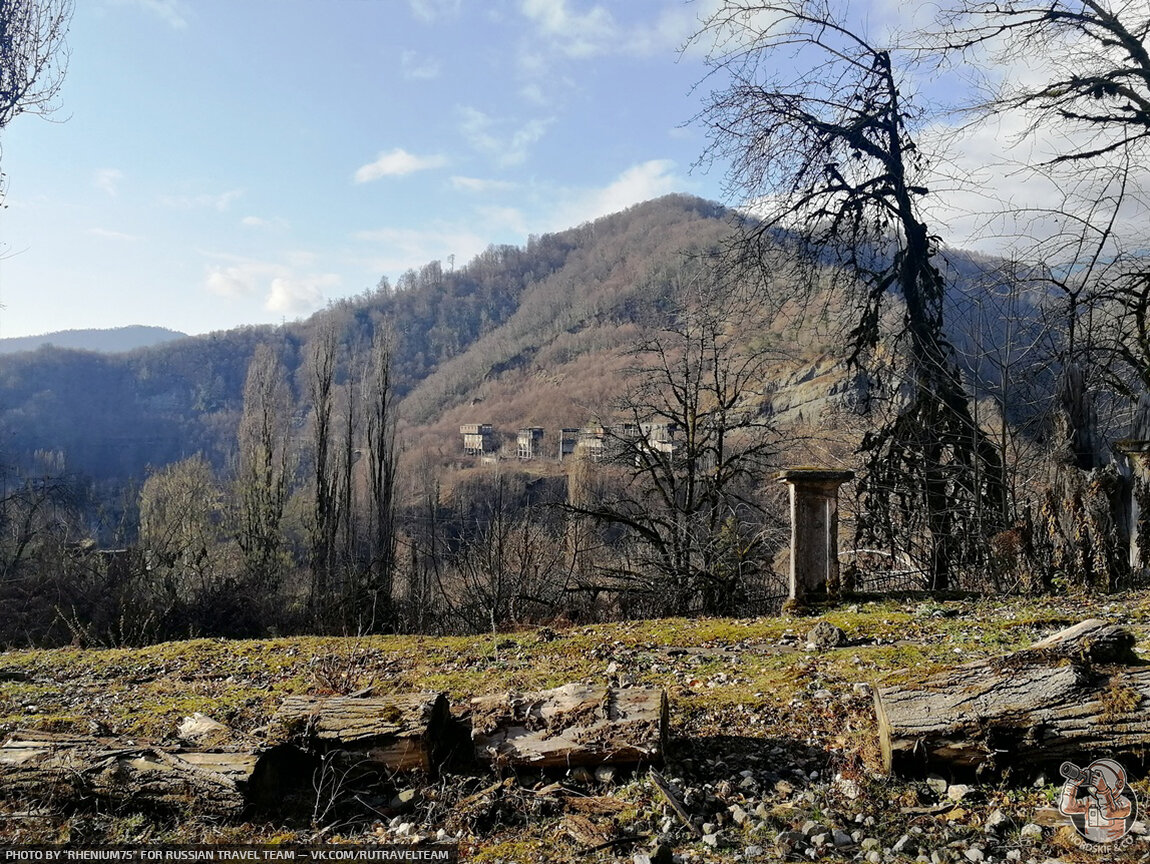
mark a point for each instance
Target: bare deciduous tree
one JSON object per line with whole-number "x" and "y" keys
{"x": 264, "y": 473}
{"x": 819, "y": 133}
{"x": 690, "y": 440}
{"x": 33, "y": 55}
{"x": 379, "y": 401}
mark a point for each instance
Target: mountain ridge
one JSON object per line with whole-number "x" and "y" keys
{"x": 536, "y": 335}
{"x": 103, "y": 340}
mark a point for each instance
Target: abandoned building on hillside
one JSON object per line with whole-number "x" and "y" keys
{"x": 597, "y": 443}
{"x": 478, "y": 439}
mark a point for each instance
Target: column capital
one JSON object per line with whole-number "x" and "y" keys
{"x": 799, "y": 476}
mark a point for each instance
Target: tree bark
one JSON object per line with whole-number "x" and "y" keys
{"x": 577, "y": 724}
{"x": 48, "y": 767}
{"x": 406, "y": 732}
{"x": 1080, "y": 694}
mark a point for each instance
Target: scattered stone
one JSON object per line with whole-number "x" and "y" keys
{"x": 201, "y": 730}
{"x": 1031, "y": 831}
{"x": 826, "y": 635}
{"x": 790, "y": 839}
{"x": 997, "y": 823}
{"x": 820, "y": 840}
{"x": 937, "y": 784}
{"x": 711, "y": 840}
{"x": 753, "y": 852}
{"x": 975, "y": 854}
{"x": 738, "y": 815}
{"x": 901, "y": 844}
{"x": 874, "y": 856}
{"x": 1013, "y": 854}
{"x": 849, "y": 788}
{"x": 870, "y": 843}
{"x": 842, "y": 838}
{"x": 958, "y": 791}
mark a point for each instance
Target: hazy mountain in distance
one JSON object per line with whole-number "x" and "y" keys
{"x": 110, "y": 341}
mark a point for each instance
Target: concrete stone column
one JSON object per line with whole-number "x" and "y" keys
{"x": 1137, "y": 470}
{"x": 814, "y": 529}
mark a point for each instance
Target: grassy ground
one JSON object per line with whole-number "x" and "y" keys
{"x": 758, "y": 722}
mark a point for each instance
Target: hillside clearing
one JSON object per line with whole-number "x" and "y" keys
{"x": 766, "y": 734}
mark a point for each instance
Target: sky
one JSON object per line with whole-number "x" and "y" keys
{"x": 217, "y": 163}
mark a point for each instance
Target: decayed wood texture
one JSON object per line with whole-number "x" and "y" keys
{"x": 1076, "y": 695}
{"x": 42, "y": 766}
{"x": 397, "y": 733}
{"x": 577, "y": 724}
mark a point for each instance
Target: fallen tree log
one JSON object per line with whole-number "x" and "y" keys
{"x": 51, "y": 768}
{"x": 573, "y": 725}
{"x": 406, "y": 732}
{"x": 1079, "y": 695}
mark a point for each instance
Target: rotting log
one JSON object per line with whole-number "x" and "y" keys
{"x": 573, "y": 725}
{"x": 1078, "y": 695}
{"x": 405, "y": 732}
{"x": 75, "y": 769}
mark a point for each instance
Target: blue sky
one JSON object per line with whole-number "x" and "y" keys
{"x": 225, "y": 162}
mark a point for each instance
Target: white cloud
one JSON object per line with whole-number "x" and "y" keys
{"x": 300, "y": 295}
{"x": 574, "y": 34}
{"x": 238, "y": 280}
{"x": 432, "y": 10}
{"x": 416, "y": 66}
{"x": 671, "y": 31}
{"x": 507, "y": 146}
{"x": 262, "y": 223}
{"x": 228, "y": 282}
{"x": 638, "y": 183}
{"x": 397, "y": 163}
{"x": 108, "y": 180}
{"x": 284, "y": 288}
{"x": 581, "y": 35}
{"x": 220, "y": 201}
{"x": 476, "y": 184}
{"x": 113, "y": 235}
{"x": 171, "y": 12}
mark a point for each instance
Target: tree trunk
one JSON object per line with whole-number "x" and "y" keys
{"x": 49, "y": 767}
{"x": 406, "y": 732}
{"x": 577, "y": 724}
{"x": 1075, "y": 695}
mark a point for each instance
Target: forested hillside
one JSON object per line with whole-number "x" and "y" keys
{"x": 314, "y": 477}
{"x": 563, "y": 296}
